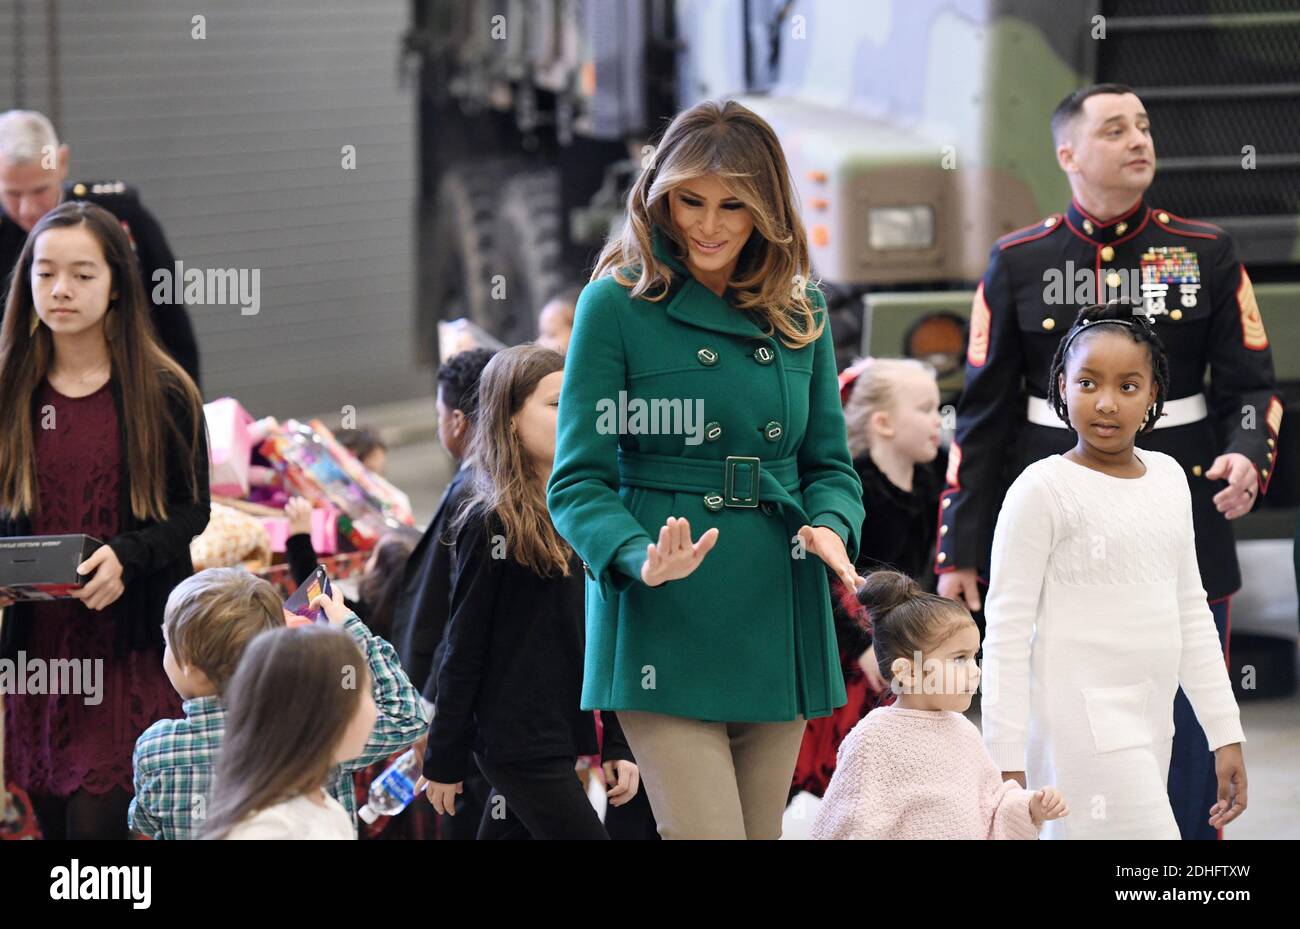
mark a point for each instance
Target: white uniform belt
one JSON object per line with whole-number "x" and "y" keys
{"x": 1175, "y": 413}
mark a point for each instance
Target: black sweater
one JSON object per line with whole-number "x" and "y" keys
{"x": 155, "y": 556}
{"x": 512, "y": 663}
{"x": 899, "y": 531}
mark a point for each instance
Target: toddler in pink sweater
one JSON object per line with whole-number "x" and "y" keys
{"x": 918, "y": 769}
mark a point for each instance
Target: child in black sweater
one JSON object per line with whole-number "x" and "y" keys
{"x": 510, "y": 681}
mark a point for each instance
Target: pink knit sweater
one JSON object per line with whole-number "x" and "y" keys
{"x": 920, "y": 774}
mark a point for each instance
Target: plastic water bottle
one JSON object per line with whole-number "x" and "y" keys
{"x": 392, "y": 791}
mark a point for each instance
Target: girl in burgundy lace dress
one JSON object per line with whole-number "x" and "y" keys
{"x": 101, "y": 433}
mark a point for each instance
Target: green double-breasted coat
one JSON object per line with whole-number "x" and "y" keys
{"x": 747, "y": 637}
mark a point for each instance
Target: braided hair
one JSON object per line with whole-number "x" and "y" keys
{"x": 1117, "y": 315}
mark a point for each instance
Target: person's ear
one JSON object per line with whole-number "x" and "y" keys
{"x": 1060, "y": 384}
{"x": 1065, "y": 155}
{"x": 61, "y": 164}
{"x": 458, "y": 423}
{"x": 882, "y": 423}
{"x": 901, "y": 669}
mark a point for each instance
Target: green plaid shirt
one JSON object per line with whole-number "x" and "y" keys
{"x": 174, "y": 758}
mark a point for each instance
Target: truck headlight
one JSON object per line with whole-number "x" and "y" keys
{"x": 897, "y": 227}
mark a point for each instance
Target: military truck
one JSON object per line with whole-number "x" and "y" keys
{"x": 917, "y": 133}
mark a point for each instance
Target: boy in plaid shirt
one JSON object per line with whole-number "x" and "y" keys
{"x": 210, "y": 619}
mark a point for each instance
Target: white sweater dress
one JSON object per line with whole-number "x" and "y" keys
{"x": 1095, "y": 614}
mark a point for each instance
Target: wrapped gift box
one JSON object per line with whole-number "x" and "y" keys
{"x": 230, "y": 445}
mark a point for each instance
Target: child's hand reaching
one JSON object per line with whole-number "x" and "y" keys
{"x": 1047, "y": 804}
{"x": 298, "y": 512}
{"x": 335, "y": 610}
{"x": 1230, "y": 769}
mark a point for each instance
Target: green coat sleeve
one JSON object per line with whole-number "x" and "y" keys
{"x": 832, "y": 490}
{"x": 582, "y": 493}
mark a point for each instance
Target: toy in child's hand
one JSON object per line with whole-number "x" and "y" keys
{"x": 1047, "y": 804}
{"x": 302, "y": 606}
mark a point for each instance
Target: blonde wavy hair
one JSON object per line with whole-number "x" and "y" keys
{"x": 772, "y": 277}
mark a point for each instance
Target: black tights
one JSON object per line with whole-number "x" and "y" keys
{"x": 83, "y": 815}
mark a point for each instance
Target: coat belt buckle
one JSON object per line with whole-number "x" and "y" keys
{"x": 740, "y": 481}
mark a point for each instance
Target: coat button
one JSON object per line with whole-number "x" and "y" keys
{"x": 1107, "y": 254}
{"x": 1087, "y": 227}
{"x": 943, "y": 530}
{"x": 767, "y": 508}
{"x": 943, "y": 556}
{"x": 1271, "y": 443}
{"x": 1175, "y": 315}
{"x": 764, "y": 355}
{"x": 1163, "y": 217}
{"x": 712, "y": 431}
{"x": 1049, "y": 324}
{"x": 772, "y": 431}
{"x": 713, "y": 502}
{"x": 1113, "y": 279}
{"x": 1121, "y": 228}
{"x": 1196, "y": 470}
{"x": 708, "y": 357}
{"x": 1264, "y": 474}
{"x": 947, "y": 502}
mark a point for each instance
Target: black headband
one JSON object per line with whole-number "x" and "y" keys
{"x": 1086, "y": 324}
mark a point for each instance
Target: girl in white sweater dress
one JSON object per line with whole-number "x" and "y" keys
{"x": 917, "y": 769}
{"x": 1096, "y": 613}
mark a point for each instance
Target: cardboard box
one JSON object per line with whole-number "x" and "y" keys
{"x": 43, "y": 567}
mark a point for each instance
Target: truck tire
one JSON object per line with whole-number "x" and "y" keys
{"x": 464, "y": 253}
{"x": 529, "y": 234}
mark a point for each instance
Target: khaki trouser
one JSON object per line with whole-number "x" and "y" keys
{"x": 709, "y": 780}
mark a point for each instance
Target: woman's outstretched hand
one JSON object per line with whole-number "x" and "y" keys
{"x": 827, "y": 545}
{"x": 674, "y": 556}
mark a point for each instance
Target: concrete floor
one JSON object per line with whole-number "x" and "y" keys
{"x": 422, "y": 469}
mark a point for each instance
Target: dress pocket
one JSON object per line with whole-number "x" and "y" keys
{"x": 1118, "y": 716}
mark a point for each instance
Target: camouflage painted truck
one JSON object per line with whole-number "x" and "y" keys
{"x": 917, "y": 133}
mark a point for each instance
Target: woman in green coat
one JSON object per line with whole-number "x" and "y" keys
{"x": 702, "y": 472}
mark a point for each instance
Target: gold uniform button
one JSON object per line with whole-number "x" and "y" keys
{"x": 1049, "y": 222}
{"x": 1107, "y": 254}
{"x": 1049, "y": 324}
{"x": 947, "y": 502}
{"x": 943, "y": 556}
{"x": 1113, "y": 279}
{"x": 1264, "y": 474}
{"x": 1121, "y": 228}
{"x": 1087, "y": 227}
{"x": 1175, "y": 315}
{"x": 1196, "y": 470}
{"x": 79, "y": 190}
{"x": 943, "y": 530}
{"x": 1163, "y": 217}
{"x": 1271, "y": 443}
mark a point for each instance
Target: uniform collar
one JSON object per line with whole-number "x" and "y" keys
{"x": 693, "y": 303}
{"x": 1104, "y": 233}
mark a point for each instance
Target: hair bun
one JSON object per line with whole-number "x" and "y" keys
{"x": 887, "y": 590}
